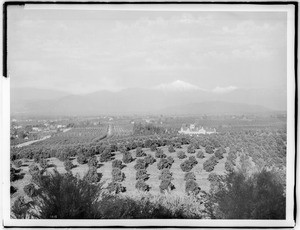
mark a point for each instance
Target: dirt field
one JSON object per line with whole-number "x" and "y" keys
{"x": 129, "y": 171}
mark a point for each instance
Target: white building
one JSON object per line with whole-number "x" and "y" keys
{"x": 193, "y": 130}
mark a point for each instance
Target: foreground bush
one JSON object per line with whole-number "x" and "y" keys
{"x": 92, "y": 176}
{"x": 115, "y": 188}
{"x": 260, "y": 196}
{"x": 200, "y": 154}
{"x": 68, "y": 165}
{"x": 30, "y": 190}
{"x": 63, "y": 196}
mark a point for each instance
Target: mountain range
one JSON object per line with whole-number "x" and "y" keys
{"x": 31, "y": 101}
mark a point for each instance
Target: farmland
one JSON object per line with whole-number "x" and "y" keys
{"x": 152, "y": 160}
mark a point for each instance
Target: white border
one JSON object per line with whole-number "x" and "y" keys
{"x": 289, "y": 222}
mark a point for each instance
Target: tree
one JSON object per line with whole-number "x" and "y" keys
{"x": 191, "y": 187}
{"x": 93, "y": 162}
{"x": 142, "y": 186}
{"x": 191, "y": 148}
{"x": 200, "y": 154}
{"x": 181, "y": 155}
{"x": 139, "y": 152}
{"x": 171, "y": 149}
{"x": 117, "y": 175}
{"x": 30, "y": 190}
{"x": 127, "y": 157}
{"x": 68, "y": 165}
{"x": 259, "y": 196}
{"x": 117, "y": 164}
{"x": 92, "y": 176}
{"x": 160, "y": 154}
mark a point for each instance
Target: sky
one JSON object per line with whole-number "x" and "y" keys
{"x": 83, "y": 51}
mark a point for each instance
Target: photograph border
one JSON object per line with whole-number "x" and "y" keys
{"x": 292, "y": 122}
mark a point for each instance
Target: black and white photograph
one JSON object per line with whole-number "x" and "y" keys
{"x": 153, "y": 114}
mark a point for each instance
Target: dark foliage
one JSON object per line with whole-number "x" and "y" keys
{"x": 82, "y": 159}
{"x": 260, "y": 196}
{"x": 141, "y": 174}
{"x": 160, "y": 154}
{"x": 164, "y": 164}
{"x": 192, "y": 187}
{"x": 209, "y": 149}
{"x": 13, "y": 190}
{"x": 149, "y": 159}
{"x": 117, "y": 175}
{"x": 139, "y": 152}
{"x": 93, "y": 162}
{"x": 200, "y": 154}
{"x": 181, "y": 155}
{"x": 92, "y": 176}
{"x": 117, "y": 164}
{"x": 106, "y": 155}
{"x": 210, "y": 164}
{"x": 191, "y": 148}
{"x": 171, "y": 149}
{"x": 115, "y": 188}
{"x": 140, "y": 164}
{"x": 30, "y": 190}
{"x": 127, "y": 157}
{"x": 68, "y": 165}
{"x": 166, "y": 175}
{"x": 189, "y": 176}
{"x": 166, "y": 185}
{"x": 142, "y": 186}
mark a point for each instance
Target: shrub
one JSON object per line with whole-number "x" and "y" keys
{"x": 33, "y": 169}
{"x": 209, "y": 149}
{"x": 106, "y": 155}
{"x": 30, "y": 190}
{"x": 68, "y": 165}
{"x": 92, "y": 176}
{"x": 186, "y": 166}
{"x": 191, "y": 148}
{"x": 219, "y": 153}
{"x": 196, "y": 145}
{"x": 18, "y": 163}
{"x": 139, "y": 152}
{"x": 200, "y": 154}
{"x": 171, "y": 149}
{"x": 13, "y": 175}
{"x": 20, "y": 209}
{"x": 81, "y": 159}
{"x": 117, "y": 175}
{"x": 181, "y": 155}
{"x": 260, "y": 196}
{"x": 210, "y": 164}
{"x": 189, "y": 176}
{"x": 43, "y": 163}
{"x": 12, "y": 190}
{"x": 178, "y": 145}
{"x": 93, "y": 162}
{"x": 142, "y": 186}
{"x": 160, "y": 154}
{"x": 149, "y": 159}
{"x": 166, "y": 175}
{"x": 191, "y": 187}
{"x": 166, "y": 185}
{"x": 153, "y": 147}
{"x": 140, "y": 164}
{"x": 114, "y": 187}
{"x": 127, "y": 157}
{"x": 117, "y": 164}
{"x": 163, "y": 164}
{"x": 193, "y": 160}
{"x": 141, "y": 174}
{"x": 170, "y": 160}
{"x": 229, "y": 166}
{"x": 75, "y": 198}
{"x": 62, "y": 155}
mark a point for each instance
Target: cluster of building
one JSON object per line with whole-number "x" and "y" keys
{"x": 192, "y": 129}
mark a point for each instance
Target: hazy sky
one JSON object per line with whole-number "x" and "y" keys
{"x": 82, "y": 51}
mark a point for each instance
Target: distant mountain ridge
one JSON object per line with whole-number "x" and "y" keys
{"x": 145, "y": 101}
